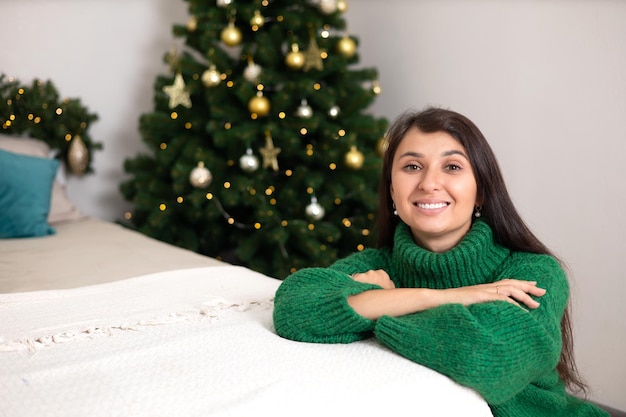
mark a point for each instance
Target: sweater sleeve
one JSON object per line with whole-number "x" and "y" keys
{"x": 495, "y": 348}
{"x": 311, "y": 304}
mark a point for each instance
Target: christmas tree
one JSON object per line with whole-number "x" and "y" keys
{"x": 263, "y": 153}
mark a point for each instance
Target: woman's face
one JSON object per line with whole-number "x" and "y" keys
{"x": 434, "y": 188}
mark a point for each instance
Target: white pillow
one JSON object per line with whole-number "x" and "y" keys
{"x": 61, "y": 208}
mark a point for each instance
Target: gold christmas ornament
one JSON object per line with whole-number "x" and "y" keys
{"x": 192, "y": 24}
{"x": 346, "y": 47}
{"x": 295, "y": 59}
{"x": 200, "y": 176}
{"x": 342, "y": 6}
{"x": 231, "y": 35}
{"x": 381, "y": 146}
{"x": 178, "y": 93}
{"x": 270, "y": 153}
{"x": 354, "y": 158}
{"x": 259, "y": 105}
{"x": 376, "y": 89}
{"x": 211, "y": 77}
{"x": 257, "y": 20}
{"x": 78, "y": 156}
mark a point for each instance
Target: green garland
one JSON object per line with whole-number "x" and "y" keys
{"x": 37, "y": 111}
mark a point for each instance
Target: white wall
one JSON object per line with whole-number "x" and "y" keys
{"x": 544, "y": 79}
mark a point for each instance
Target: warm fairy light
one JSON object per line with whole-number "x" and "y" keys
{"x": 324, "y": 54}
{"x": 264, "y": 3}
{"x": 227, "y": 125}
{"x": 179, "y": 199}
{"x": 309, "y": 190}
{"x": 311, "y": 226}
{"x": 317, "y": 86}
{"x": 254, "y": 116}
{"x": 257, "y": 226}
{"x": 37, "y": 119}
{"x": 128, "y": 215}
{"x": 371, "y": 216}
{"x": 30, "y": 116}
{"x": 279, "y": 18}
{"x": 346, "y": 222}
{"x": 323, "y": 247}
{"x": 44, "y": 106}
{"x": 332, "y": 166}
{"x": 268, "y": 191}
{"x": 83, "y": 125}
{"x": 12, "y": 117}
{"x": 325, "y": 34}
{"x": 230, "y": 83}
{"x": 282, "y": 115}
{"x": 360, "y": 247}
{"x": 309, "y": 152}
{"x": 365, "y": 232}
{"x": 163, "y": 146}
{"x": 59, "y": 111}
{"x": 231, "y": 220}
{"x": 227, "y": 185}
{"x": 174, "y": 115}
{"x": 260, "y": 87}
{"x": 288, "y": 173}
{"x": 68, "y": 137}
{"x": 341, "y": 133}
{"x": 337, "y": 201}
{"x": 162, "y": 207}
{"x": 252, "y": 191}
{"x": 230, "y": 163}
{"x": 273, "y": 201}
{"x": 20, "y": 91}
{"x": 188, "y": 125}
{"x": 284, "y": 223}
{"x": 303, "y": 131}
{"x": 209, "y": 196}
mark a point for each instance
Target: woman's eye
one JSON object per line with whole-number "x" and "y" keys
{"x": 412, "y": 167}
{"x": 453, "y": 167}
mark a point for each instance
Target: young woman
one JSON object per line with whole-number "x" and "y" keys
{"x": 458, "y": 282}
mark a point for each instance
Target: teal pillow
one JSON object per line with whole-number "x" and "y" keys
{"x": 25, "y": 192}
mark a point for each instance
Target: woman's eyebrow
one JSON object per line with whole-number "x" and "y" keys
{"x": 446, "y": 153}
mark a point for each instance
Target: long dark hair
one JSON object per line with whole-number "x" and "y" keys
{"x": 497, "y": 210}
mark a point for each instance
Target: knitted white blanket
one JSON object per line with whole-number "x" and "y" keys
{"x": 197, "y": 342}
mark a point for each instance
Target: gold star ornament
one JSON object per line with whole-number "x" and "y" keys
{"x": 270, "y": 153}
{"x": 178, "y": 93}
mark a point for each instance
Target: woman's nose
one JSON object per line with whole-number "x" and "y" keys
{"x": 430, "y": 180}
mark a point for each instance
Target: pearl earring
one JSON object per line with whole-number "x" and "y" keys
{"x": 477, "y": 211}
{"x": 395, "y": 212}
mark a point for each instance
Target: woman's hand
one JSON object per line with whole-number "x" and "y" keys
{"x": 510, "y": 290}
{"x": 377, "y": 277}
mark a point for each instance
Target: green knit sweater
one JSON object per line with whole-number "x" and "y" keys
{"x": 506, "y": 353}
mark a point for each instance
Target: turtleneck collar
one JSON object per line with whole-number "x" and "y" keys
{"x": 473, "y": 261}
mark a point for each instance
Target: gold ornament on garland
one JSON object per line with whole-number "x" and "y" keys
{"x": 200, "y": 176}
{"x": 231, "y": 35}
{"x": 211, "y": 77}
{"x": 192, "y": 24}
{"x": 78, "y": 156}
{"x": 354, "y": 158}
{"x": 346, "y": 46}
{"x": 295, "y": 59}
{"x": 178, "y": 93}
{"x": 257, "y": 21}
{"x": 376, "y": 88}
{"x": 270, "y": 153}
{"x": 342, "y": 6}
{"x": 259, "y": 105}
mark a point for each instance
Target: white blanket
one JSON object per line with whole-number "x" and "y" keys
{"x": 197, "y": 342}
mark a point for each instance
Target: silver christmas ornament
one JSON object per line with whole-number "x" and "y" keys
{"x": 304, "y": 111}
{"x": 249, "y": 162}
{"x": 328, "y": 6}
{"x": 224, "y": 3}
{"x": 252, "y": 72}
{"x": 200, "y": 176}
{"x": 314, "y": 210}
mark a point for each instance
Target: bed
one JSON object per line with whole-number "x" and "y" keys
{"x": 100, "y": 320}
